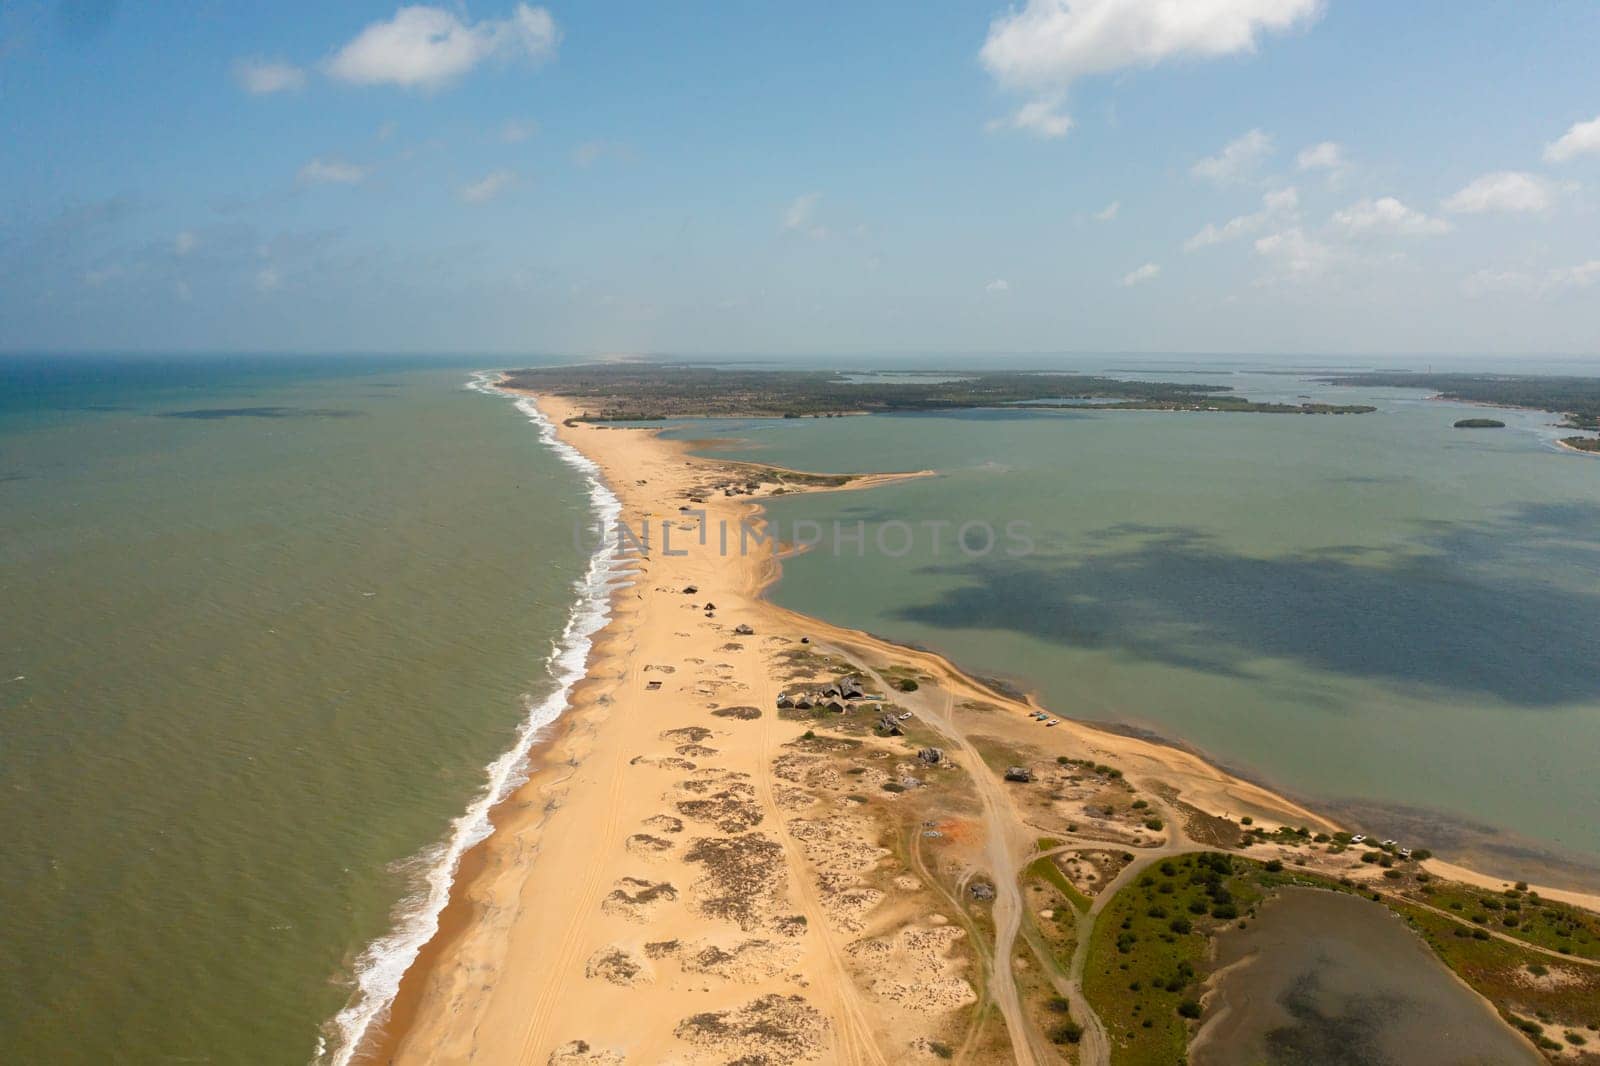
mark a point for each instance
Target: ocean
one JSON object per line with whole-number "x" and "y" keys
{"x": 1385, "y": 616}
{"x": 276, "y": 632}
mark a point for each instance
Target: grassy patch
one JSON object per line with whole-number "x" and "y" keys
{"x": 998, "y": 755}
{"x": 1045, "y": 869}
{"x": 1149, "y": 950}
{"x": 1522, "y": 915}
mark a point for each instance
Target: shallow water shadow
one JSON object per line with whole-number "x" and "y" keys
{"x": 1350, "y": 1037}
{"x": 1458, "y": 611}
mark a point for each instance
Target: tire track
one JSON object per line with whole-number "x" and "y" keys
{"x": 1027, "y": 1046}
{"x": 854, "y": 1037}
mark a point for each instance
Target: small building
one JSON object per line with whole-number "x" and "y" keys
{"x": 850, "y": 688}
{"x": 743, "y": 630}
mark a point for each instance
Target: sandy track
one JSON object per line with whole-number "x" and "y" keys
{"x": 852, "y": 1033}
{"x": 999, "y": 829}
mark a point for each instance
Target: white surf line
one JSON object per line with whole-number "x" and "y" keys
{"x": 379, "y": 969}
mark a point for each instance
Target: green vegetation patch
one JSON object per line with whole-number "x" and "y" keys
{"x": 1149, "y": 951}
{"x": 1578, "y": 398}
{"x": 1045, "y": 869}
{"x": 642, "y": 392}
{"x": 1519, "y": 914}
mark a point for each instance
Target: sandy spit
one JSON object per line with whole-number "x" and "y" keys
{"x": 641, "y": 898}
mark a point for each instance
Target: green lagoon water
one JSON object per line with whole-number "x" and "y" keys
{"x": 265, "y": 624}
{"x": 1380, "y": 613}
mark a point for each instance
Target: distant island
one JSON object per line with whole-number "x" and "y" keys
{"x": 1575, "y": 398}
{"x": 1480, "y": 423}
{"x": 637, "y": 392}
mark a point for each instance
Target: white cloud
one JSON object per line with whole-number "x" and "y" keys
{"x": 1324, "y": 156}
{"x": 181, "y": 290}
{"x": 1276, "y": 206}
{"x": 430, "y": 47}
{"x": 1576, "y": 277}
{"x": 1295, "y": 256}
{"x": 1388, "y": 216}
{"x": 1049, "y": 44}
{"x": 185, "y": 242}
{"x": 1581, "y": 138}
{"x": 1042, "y": 117}
{"x": 260, "y": 77}
{"x": 487, "y": 188}
{"x": 515, "y": 131}
{"x": 1148, "y": 272}
{"x": 268, "y": 280}
{"x": 800, "y": 215}
{"x": 100, "y": 275}
{"x": 1109, "y": 211}
{"x": 1509, "y": 191}
{"x": 331, "y": 172}
{"x": 998, "y": 285}
{"x": 1237, "y": 160}
{"x": 590, "y": 152}
{"x": 386, "y": 130}
{"x": 1552, "y": 282}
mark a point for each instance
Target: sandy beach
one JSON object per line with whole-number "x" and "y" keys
{"x": 691, "y": 875}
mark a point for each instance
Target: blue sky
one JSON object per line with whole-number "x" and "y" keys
{"x": 1276, "y": 176}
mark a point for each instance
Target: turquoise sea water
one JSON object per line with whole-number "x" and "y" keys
{"x": 1381, "y": 613}
{"x": 265, "y": 624}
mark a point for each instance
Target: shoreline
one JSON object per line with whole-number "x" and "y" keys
{"x": 480, "y": 920}
{"x": 381, "y": 967}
